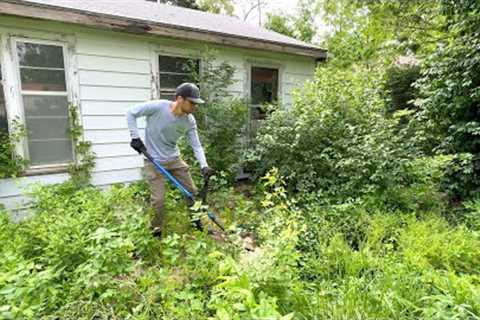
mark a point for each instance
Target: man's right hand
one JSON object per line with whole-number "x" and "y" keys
{"x": 138, "y": 145}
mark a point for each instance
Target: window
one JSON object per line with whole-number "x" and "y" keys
{"x": 41, "y": 70}
{"x": 174, "y": 71}
{"x": 264, "y": 90}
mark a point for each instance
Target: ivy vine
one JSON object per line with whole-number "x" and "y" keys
{"x": 81, "y": 169}
{"x": 11, "y": 163}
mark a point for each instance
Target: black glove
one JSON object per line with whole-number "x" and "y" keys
{"x": 207, "y": 172}
{"x": 138, "y": 145}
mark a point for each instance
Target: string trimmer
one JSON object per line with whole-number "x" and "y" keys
{"x": 247, "y": 241}
{"x": 185, "y": 192}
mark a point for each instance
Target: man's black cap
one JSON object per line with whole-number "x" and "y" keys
{"x": 190, "y": 92}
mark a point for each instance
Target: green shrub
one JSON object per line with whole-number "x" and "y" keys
{"x": 88, "y": 254}
{"x": 472, "y": 216}
{"x": 222, "y": 119}
{"x": 335, "y": 141}
{"x": 449, "y": 98}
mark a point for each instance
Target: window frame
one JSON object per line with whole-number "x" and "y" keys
{"x": 262, "y": 63}
{"x": 155, "y": 57}
{"x": 17, "y": 84}
{"x": 258, "y": 62}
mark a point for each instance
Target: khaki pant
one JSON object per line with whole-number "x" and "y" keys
{"x": 180, "y": 170}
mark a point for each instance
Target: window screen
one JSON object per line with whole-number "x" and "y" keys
{"x": 45, "y": 103}
{"x": 173, "y": 72}
{"x": 264, "y": 89}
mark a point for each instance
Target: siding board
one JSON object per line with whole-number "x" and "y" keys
{"x": 15, "y": 187}
{"x": 99, "y": 107}
{"x": 110, "y": 136}
{"x": 113, "y": 150}
{"x": 108, "y": 46}
{"x": 101, "y": 63}
{"x": 118, "y": 163}
{"x": 114, "y": 79}
{"x": 114, "y": 94}
{"x": 116, "y": 176}
{"x": 109, "y": 122}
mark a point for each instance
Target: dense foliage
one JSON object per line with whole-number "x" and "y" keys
{"x": 365, "y": 205}
{"x": 300, "y": 26}
{"x": 11, "y": 164}
{"x": 88, "y": 254}
{"x": 336, "y": 141}
{"x": 221, "y": 120}
{"x": 399, "y": 88}
{"x": 450, "y": 97}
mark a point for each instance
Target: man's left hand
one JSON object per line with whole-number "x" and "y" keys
{"x": 207, "y": 172}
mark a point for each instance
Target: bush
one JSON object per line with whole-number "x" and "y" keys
{"x": 335, "y": 141}
{"x": 88, "y": 254}
{"x": 450, "y": 95}
{"x": 221, "y": 120}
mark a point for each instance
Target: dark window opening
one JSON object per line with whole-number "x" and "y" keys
{"x": 5, "y": 149}
{"x": 3, "y": 109}
{"x": 264, "y": 90}
{"x": 174, "y": 71}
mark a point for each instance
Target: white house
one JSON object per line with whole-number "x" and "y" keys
{"x": 106, "y": 55}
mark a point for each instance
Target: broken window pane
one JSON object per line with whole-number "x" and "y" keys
{"x": 174, "y": 71}
{"x": 264, "y": 90}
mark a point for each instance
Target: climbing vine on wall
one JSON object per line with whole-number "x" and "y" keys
{"x": 11, "y": 163}
{"x": 80, "y": 170}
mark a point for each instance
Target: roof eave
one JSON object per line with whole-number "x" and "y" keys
{"x": 123, "y": 24}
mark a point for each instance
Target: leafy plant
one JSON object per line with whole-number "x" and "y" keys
{"x": 12, "y": 164}
{"x": 221, "y": 120}
{"x": 81, "y": 170}
{"x": 449, "y": 97}
{"x": 335, "y": 141}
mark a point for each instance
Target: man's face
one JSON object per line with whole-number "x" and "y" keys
{"x": 186, "y": 105}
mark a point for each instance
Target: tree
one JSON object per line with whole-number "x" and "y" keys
{"x": 280, "y": 24}
{"x": 368, "y": 32}
{"x": 249, "y": 6}
{"x": 300, "y": 26}
{"x": 217, "y": 6}
{"x": 450, "y": 97}
{"x": 191, "y": 4}
{"x": 304, "y": 24}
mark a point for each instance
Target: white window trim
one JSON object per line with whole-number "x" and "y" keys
{"x": 22, "y": 149}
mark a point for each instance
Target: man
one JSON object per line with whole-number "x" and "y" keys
{"x": 167, "y": 121}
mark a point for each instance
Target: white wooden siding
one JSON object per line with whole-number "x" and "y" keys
{"x": 115, "y": 71}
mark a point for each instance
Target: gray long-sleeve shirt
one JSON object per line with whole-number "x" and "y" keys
{"x": 164, "y": 129}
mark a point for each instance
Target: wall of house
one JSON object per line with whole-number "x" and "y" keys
{"x": 110, "y": 72}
